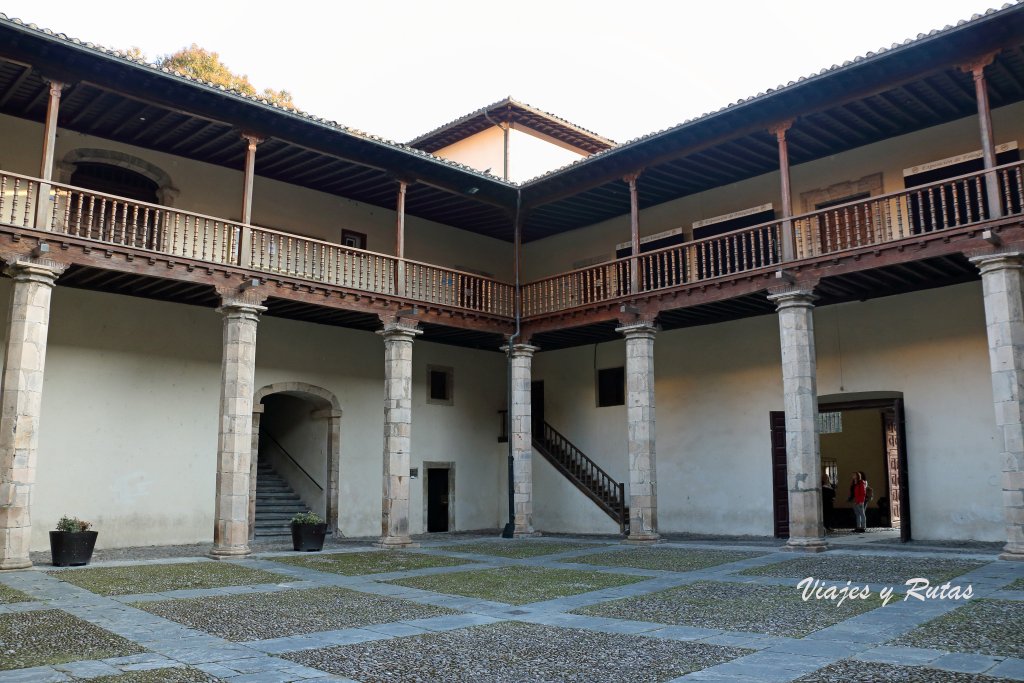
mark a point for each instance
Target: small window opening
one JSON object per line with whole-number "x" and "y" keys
{"x": 439, "y": 385}
{"x": 611, "y": 387}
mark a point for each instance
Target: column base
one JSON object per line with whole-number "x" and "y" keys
{"x": 806, "y": 545}
{"x": 229, "y": 552}
{"x": 15, "y": 563}
{"x": 395, "y": 543}
{"x": 526, "y": 533}
{"x": 642, "y": 539}
{"x": 1011, "y": 551}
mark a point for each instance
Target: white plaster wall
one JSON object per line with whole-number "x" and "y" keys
{"x": 716, "y": 384}
{"x": 129, "y": 422}
{"x": 529, "y": 155}
{"x": 889, "y": 157}
{"x": 217, "y": 191}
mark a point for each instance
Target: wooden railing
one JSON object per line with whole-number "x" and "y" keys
{"x": 586, "y": 474}
{"x": 943, "y": 205}
{"x": 115, "y": 220}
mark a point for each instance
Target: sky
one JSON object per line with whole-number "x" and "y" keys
{"x": 398, "y": 68}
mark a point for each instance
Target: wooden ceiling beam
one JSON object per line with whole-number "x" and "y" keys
{"x": 216, "y": 141}
{"x": 151, "y": 125}
{"x": 132, "y": 116}
{"x": 18, "y": 82}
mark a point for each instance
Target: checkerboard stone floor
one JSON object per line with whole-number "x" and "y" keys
{"x": 525, "y": 610}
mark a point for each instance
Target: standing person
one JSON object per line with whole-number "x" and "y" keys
{"x": 859, "y": 494}
{"x": 828, "y": 501}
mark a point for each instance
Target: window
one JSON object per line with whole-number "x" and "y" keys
{"x": 611, "y": 387}
{"x": 351, "y": 238}
{"x": 439, "y": 385}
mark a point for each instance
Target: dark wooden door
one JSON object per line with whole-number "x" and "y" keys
{"x": 896, "y": 467}
{"x": 780, "y": 488}
{"x": 537, "y": 408}
{"x": 437, "y": 499}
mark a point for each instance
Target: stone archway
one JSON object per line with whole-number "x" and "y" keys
{"x": 326, "y": 408}
{"x": 166, "y": 192}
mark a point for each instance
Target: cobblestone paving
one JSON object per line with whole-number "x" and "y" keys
{"x": 518, "y": 585}
{"x": 9, "y": 595}
{"x": 158, "y": 578}
{"x": 853, "y": 671}
{"x": 54, "y": 637}
{"x": 509, "y": 651}
{"x": 374, "y": 562}
{"x": 666, "y": 559}
{"x": 521, "y": 548}
{"x": 286, "y": 613}
{"x": 868, "y": 569}
{"x": 989, "y": 627}
{"x": 525, "y": 610}
{"x": 777, "y": 610}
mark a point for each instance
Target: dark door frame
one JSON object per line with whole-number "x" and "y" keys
{"x": 425, "y": 469}
{"x": 893, "y": 406}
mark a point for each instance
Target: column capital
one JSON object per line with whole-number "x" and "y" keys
{"x": 237, "y": 301}
{"x": 638, "y": 329}
{"x": 779, "y": 129}
{"x": 253, "y": 139}
{"x": 999, "y": 260}
{"x": 56, "y": 86}
{"x": 521, "y": 350}
{"x": 28, "y": 269}
{"x": 976, "y": 67}
{"x": 792, "y": 296}
{"x": 396, "y": 330}
{"x": 631, "y": 178}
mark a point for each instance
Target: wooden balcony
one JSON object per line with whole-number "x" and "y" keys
{"x": 84, "y": 216}
{"x": 885, "y": 220}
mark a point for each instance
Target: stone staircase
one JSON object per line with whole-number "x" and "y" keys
{"x": 276, "y": 504}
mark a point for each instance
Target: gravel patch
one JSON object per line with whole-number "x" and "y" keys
{"x": 291, "y": 612}
{"x": 159, "y": 578}
{"x": 519, "y": 585}
{"x": 511, "y": 651}
{"x": 9, "y": 595}
{"x": 372, "y": 562}
{"x": 776, "y": 610}
{"x": 855, "y": 671}
{"x": 668, "y": 559}
{"x": 55, "y": 637}
{"x": 516, "y": 549}
{"x": 987, "y": 627}
{"x": 170, "y": 675}
{"x": 893, "y": 571}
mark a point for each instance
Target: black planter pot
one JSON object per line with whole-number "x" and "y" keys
{"x": 308, "y": 537}
{"x": 72, "y": 548}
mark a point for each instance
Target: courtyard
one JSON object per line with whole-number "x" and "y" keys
{"x": 474, "y": 608}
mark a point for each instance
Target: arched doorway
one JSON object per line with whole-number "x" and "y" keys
{"x": 295, "y": 456}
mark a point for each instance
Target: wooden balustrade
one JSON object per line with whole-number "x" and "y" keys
{"x": 116, "y": 220}
{"x": 943, "y": 205}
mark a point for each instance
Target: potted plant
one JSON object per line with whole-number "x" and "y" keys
{"x": 71, "y": 545}
{"x": 308, "y": 532}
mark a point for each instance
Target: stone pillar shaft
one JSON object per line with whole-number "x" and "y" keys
{"x": 20, "y": 403}
{"x": 521, "y": 437}
{"x": 234, "y": 446}
{"x": 1004, "y": 321}
{"x": 398, "y": 340}
{"x": 643, "y": 479}
{"x": 800, "y": 389}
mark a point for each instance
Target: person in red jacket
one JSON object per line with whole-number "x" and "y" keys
{"x": 859, "y": 493}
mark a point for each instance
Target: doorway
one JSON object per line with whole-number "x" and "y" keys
{"x": 865, "y": 435}
{"x": 439, "y": 496}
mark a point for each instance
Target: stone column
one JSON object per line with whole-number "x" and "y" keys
{"x": 521, "y": 437}
{"x": 398, "y": 338}
{"x": 20, "y": 401}
{"x": 234, "y": 447}
{"x": 643, "y": 479}
{"x": 1004, "y": 320}
{"x": 800, "y": 389}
